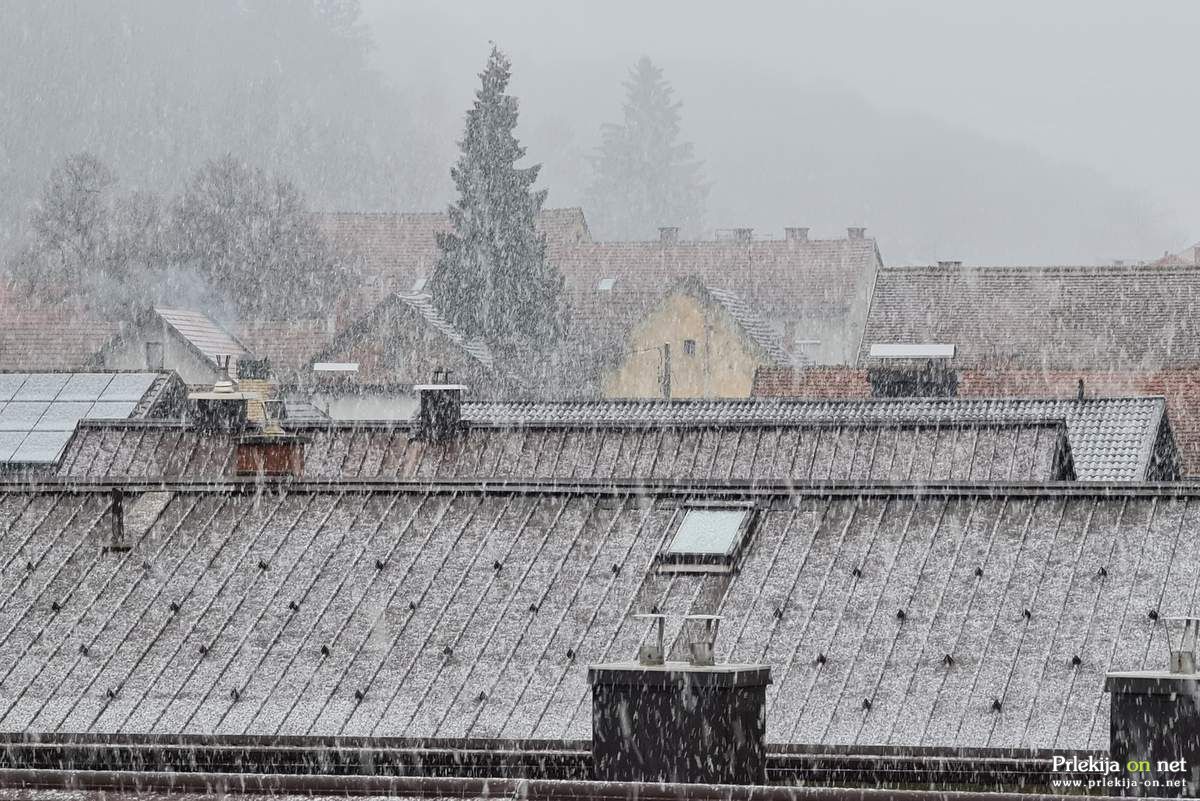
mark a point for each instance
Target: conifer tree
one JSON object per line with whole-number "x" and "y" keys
{"x": 492, "y": 279}
{"x": 644, "y": 176}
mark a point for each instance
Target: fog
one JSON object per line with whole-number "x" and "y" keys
{"x": 993, "y": 133}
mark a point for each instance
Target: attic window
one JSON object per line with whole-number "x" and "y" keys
{"x": 606, "y": 284}
{"x": 707, "y": 540}
{"x": 419, "y": 284}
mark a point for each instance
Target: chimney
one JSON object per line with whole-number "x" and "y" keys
{"x": 1154, "y": 719}
{"x": 743, "y": 234}
{"x": 116, "y": 511}
{"x": 856, "y": 233}
{"x": 795, "y": 234}
{"x": 274, "y": 455}
{"x": 439, "y": 415}
{"x": 694, "y": 722}
{"x": 154, "y": 355}
{"x": 949, "y": 264}
{"x": 223, "y": 408}
{"x": 668, "y": 235}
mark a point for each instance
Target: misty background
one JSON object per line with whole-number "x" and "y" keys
{"x": 989, "y": 133}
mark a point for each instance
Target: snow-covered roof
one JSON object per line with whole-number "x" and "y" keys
{"x": 997, "y": 450}
{"x": 1057, "y": 317}
{"x": 1111, "y": 439}
{"x": 473, "y": 611}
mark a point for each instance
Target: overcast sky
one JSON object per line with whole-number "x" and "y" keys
{"x": 1107, "y": 85}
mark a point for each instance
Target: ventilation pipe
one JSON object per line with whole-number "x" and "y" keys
{"x": 655, "y": 720}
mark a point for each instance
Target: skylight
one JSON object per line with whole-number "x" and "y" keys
{"x": 707, "y": 539}
{"x": 707, "y": 531}
{"x": 606, "y": 284}
{"x": 419, "y": 284}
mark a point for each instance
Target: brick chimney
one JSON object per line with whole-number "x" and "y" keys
{"x": 743, "y": 234}
{"x": 795, "y": 234}
{"x": 668, "y": 234}
{"x": 856, "y": 233}
{"x": 274, "y": 455}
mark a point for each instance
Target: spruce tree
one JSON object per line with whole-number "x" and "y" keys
{"x": 644, "y": 176}
{"x": 492, "y": 279}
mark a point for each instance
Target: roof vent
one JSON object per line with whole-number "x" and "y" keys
{"x": 652, "y": 653}
{"x": 702, "y": 644}
{"x": 856, "y": 233}
{"x": 743, "y": 234}
{"x": 439, "y": 416}
{"x": 795, "y": 234}
{"x": 668, "y": 234}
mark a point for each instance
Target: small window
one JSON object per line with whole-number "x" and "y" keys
{"x": 689, "y": 347}
{"x": 707, "y": 540}
{"x": 606, "y": 284}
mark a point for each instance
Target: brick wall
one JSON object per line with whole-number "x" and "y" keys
{"x": 1181, "y": 388}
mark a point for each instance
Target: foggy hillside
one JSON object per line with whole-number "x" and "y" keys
{"x": 363, "y": 113}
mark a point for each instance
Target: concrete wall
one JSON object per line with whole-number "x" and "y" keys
{"x": 366, "y": 406}
{"x": 722, "y": 366}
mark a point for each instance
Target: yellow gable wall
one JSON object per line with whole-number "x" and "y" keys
{"x": 722, "y": 366}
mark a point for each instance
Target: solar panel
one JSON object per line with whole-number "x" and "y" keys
{"x": 10, "y": 383}
{"x": 21, "y": 415}
{"x": 708, "y": 532}
{"x": 85, "y": 387}
{"x": 37, "y": 423}
{"x": 41, "y": 447}
{"x": 62, "y": 416}
{"x": 41, "y": 387}
{"x": 128, "y": 387}
{"x": 108, "y": 410}
{"x": 9, "y": 440}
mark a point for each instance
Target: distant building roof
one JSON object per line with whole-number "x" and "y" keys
{"x": 401, "y": 341}
{"x": 821, "y": 283}
{"x": 398, "y": 248}
{"x": 51, "y": 339}
{"x": 1114, "y": 318}
{"x": 945, "y": 618}
{"x": 203, "y": 333}
{"x": 1112, "y": 439}
{"x": 1028, "y": 450}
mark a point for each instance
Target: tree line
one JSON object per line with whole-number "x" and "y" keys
{"x": 239, "y": 237}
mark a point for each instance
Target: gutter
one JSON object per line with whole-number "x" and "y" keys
{"x": 531, "y": 790}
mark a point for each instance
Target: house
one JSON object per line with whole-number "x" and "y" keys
{"x": 1041, "y": 331}
{"x": 189, "y": 342}
{"x": 369, "y": 368}
{"x": 696, "y": 342}
{"x": 40, "y": 413}
{"x": 811, "y": 293}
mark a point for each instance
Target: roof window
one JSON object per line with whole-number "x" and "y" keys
{"x": 419, "y": 284}
{"x": 708, "y": 539}
{"x": 606, "y": 284}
